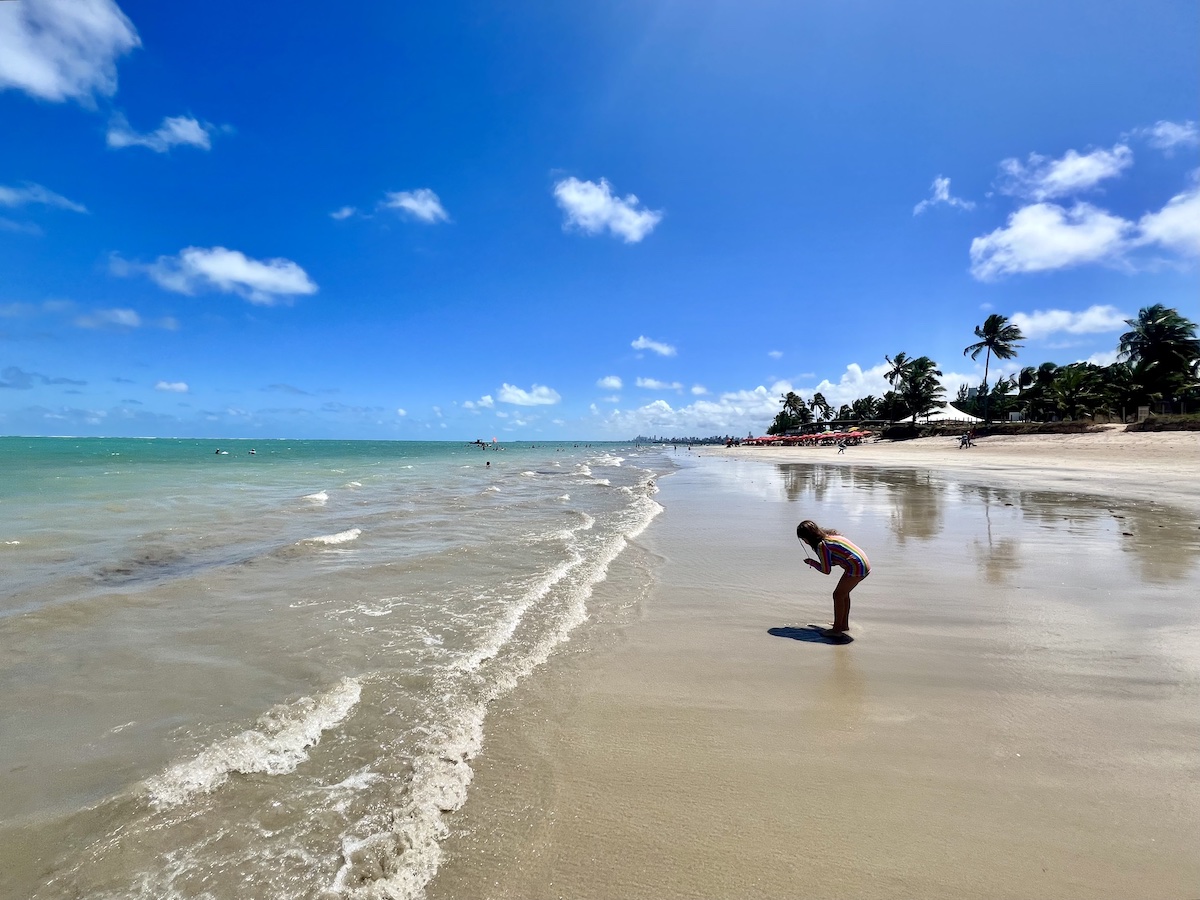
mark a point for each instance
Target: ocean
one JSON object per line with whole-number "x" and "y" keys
{"x": 263, "y": 669}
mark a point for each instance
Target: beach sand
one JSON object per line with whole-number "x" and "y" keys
{"x": 1017, "y": 716}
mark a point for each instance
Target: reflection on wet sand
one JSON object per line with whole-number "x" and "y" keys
{"x": 1164, "y": 542}
{"x": 915, "y": 496}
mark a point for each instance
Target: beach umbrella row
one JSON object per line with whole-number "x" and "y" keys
{"x": 822, "y": 437}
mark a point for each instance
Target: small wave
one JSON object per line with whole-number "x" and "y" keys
{"x": 353, "y": 484}
{"x": 492, "y": 489}
{"x": 342, "y": 537}
{"x": 565, "y": 497}
{"x": 320, "y": 498}
{"x": 11, "y": 543}
{"x": 529, "y": 474}
{"x": 276, "y": 746}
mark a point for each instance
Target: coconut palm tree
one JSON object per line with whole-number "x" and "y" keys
{"x": 1000, "y": 339}
{"x": 1163, "y": 338}
{"x": 819, "y": 405}
{"x": 900, "y": 366}
{"x": 865, "y": 407}
{"x": 921, "y": 390}
{"x": 1076, "y": 390}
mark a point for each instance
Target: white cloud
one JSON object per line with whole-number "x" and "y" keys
{"x": 613, "y": 398}
{"x": 699, "y": 390}
{"x": 174, "y": 387}
{"x": 1176, "y": 226}
{"x": 1103, "y": 358}
{"x": 1093, "y": 320}
{"x": 1045, "y": 236}
{"x": 35, "y": 193}
{"x": 175, "y": 131}
{"x": 1043, "y": 178}
{"x": 939, "y": 193}
{"x": 344, "y": 213}
{"x": 610, "y": 382}
{"x": 592, "y": 208}
{"x": 264, "y": 282}
{"x": 539, "y": 395}
{"x": 1166, "y": 136}
{"x": 63, "y": 49}
{"x": 644, "y": 343}
{"x": 422, "y": 204}
{"x": 484, "y": 402}
{"x": 775, "y": 354}
{"x": 103, "y": 318}
{"x": 402, "y": 412}
{"x": 653, "y": 384}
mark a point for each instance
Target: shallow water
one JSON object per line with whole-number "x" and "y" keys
{"x": 266, "y": 675}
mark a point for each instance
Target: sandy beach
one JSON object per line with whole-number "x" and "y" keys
{"x": 1016, "y": 717}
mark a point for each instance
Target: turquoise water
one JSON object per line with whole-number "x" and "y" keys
{"x": 269, "y": 672}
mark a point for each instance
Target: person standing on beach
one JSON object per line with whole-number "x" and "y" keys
{"x": 834, "y": 550}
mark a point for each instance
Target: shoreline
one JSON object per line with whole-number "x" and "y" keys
{"x": 1134, "y": 465}
{"x": 973, "y": 740}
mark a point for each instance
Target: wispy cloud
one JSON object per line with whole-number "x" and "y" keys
{"x": 1093, "y": 320}
{"x": 63, "y": 49}
{"x": 109, "y": 318}
{"x": 484, "y": 402}
{"x": 29, "y": 194}
{"x": 344, "y": 213}
{"x": 175, "y": 131}
{"x": 653, "y": 384}
{"x": 644, "y": 343}
{"x": 263, "y": 282}
{"x": 16, "y": 378}
{"x": 287, "y": 389}
{"x": 1042, "y": 178}
{"x": 1167, "y": 136}
{"x": 172, "y": 387}
{"x": 422, "y": 204}
{"x": 538, "y": 395}
{"x": 939, "y": 194}
{"x": 775, "y": 354}
{"x": 592, "y": 207}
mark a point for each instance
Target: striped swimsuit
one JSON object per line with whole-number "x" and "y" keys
{"x": 837, "y": 551}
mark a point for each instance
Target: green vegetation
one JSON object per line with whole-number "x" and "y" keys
{"x": 1159, "y": 367}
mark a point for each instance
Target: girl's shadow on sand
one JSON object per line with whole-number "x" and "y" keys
{"x": 809, "y": 634}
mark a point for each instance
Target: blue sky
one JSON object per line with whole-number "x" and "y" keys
{"x": 567, "y": 220}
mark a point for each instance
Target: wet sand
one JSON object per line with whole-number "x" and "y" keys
{"x": 1016, "y": 717}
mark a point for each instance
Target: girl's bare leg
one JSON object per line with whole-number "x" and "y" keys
{"x": 841, "y": 602}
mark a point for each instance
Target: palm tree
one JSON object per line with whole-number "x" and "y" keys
{"x": 794, "y": 414}
{"x": 916, "y": 383}
{"x": 865, "y": 407}
{"x": 820, "y": 406}
{"x": 1076, "y": 390}
{"x": 1163, "y": 338}
{"x": 1126, "y": 385}
{"x": 999, "y": 338}
{"x": 899, "y": 366}
{"x": 891, "y": 406}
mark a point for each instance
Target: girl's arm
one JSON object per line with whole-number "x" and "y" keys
{"x": 823, "y": 563}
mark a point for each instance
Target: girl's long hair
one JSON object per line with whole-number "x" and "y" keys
{"x": 812, "y": 533}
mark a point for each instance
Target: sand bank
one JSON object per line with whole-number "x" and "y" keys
{"x": 1016, "y": 717}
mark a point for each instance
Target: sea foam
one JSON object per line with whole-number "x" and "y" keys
{"x": 279, "y": 742}
{"x": 342, "y": 537}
